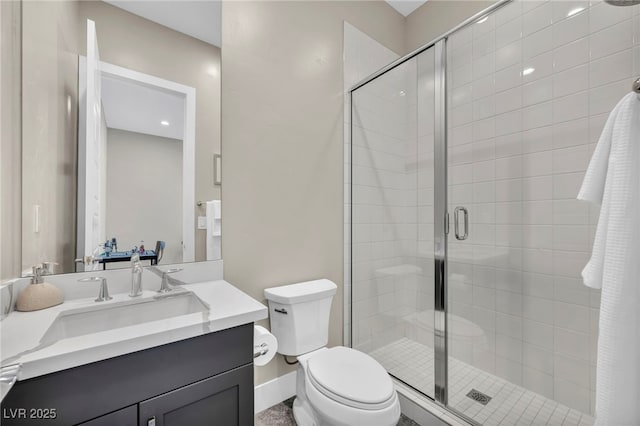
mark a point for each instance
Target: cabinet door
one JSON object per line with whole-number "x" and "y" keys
{"x": 125, "y": 417}
{"x": 225, "y": 399}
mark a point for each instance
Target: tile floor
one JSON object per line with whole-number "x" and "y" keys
{"x": 509, "y": 405}
{"x": 282, "y": 415}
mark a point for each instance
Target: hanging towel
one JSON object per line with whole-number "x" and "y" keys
{"x": 613, "y": 181}
{"x": 217, "y": 209}
{"x": 217, "y": 219}
{"x": 214, "y": 230}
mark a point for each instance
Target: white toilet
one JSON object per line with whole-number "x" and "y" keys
{"x": 335, "y": 386}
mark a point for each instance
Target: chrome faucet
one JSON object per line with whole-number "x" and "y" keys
{"x": 165, "y": 287}
{"x": 136, "y": 276}
{"x": 104, "y": 290}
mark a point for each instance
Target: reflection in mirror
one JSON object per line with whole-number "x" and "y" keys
{"x": 132, "y": 185}
{"x": 116, "y": 158}
{"x": 131, "y": 137}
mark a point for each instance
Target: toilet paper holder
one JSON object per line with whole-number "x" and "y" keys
{"x": 265, "y": 346}
{"x": 263, "y": 349}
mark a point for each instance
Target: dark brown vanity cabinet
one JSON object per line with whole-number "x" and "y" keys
{"x": 217, "y": 400}
{"x": 125, "y": 417}
{"x": 205, "y": 380}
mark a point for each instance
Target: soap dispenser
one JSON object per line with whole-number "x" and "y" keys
{"x": 39, "y": 294}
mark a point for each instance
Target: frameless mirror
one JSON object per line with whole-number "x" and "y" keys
{"x": 120, "y": 131}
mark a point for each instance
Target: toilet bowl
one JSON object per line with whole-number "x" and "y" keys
{"x": 335, "y": 386}
{"x": 342, "y": 386}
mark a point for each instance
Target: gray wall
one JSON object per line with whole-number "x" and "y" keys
{"x": 10, "y": 139}
{"x": 144, "y": 191}
{"x": 50, "y": 38}
{"x": 282, "y": 127}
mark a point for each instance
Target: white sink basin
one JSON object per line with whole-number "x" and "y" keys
{"x": 80, "y": 322}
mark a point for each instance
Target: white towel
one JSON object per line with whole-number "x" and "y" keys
{"x": 613, "y": 181}
{"x": 214, "y": 218}
{"x": 217, "y": 209}
{"x": 214, "y": 230}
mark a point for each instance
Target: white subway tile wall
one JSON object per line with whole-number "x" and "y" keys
{"x": 392, "y": 195}
{"x": 385, "y": 164}
{"x": 529, "y": 92}
{"x": 362, "y": 56}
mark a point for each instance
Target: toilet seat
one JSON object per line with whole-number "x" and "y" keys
{"x": 351, "y": 378}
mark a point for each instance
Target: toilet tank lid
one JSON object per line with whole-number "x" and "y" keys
{"x": 301, "y": 292}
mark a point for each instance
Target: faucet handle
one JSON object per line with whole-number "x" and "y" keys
{"x": 36, "y": 274}
{"x": 165, "y": 287}
{"x": 91, "y": 279}
{"x": 44, "y": 268}
{"x": 104, "y": 290}
{"x": 47, "y": 267}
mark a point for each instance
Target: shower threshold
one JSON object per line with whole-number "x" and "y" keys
{"x": 509, "y": 405}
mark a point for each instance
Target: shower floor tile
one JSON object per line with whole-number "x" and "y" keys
{"x": 510, "y": 404}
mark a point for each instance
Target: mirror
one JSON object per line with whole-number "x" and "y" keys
{"x": 120, "y": 131}
{"x": 135, "y": 153}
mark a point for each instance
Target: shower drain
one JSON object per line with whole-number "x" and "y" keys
{"x": 478, "y": 396}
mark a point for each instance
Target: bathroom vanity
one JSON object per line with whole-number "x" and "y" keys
{"x": 187, "y": 363}
{"x": 181, "y": 383}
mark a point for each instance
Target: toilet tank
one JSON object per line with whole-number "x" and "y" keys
{"x": 299, "y": 315}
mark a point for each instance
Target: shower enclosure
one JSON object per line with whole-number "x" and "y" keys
{"x": 467, "y": 242}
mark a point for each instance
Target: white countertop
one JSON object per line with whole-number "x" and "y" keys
{"x": 22, "y": 332}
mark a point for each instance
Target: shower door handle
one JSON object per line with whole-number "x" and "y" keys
{"x": 456, "y": 214}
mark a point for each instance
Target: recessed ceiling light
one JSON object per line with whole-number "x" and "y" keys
{"x": 574, "y": 11}
{"x": 483, "y": 19}
{"x": 528, "y": 71}
{"x": 164, "y": 122}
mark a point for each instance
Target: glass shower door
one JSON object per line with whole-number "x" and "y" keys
{"x": 392, "y": 221}
{"x": 522, "y": 328}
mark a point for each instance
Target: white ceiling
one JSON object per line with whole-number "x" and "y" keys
{"x": 405, "y": 7}
{"x": 200, "y": 19}
{"x": 138, "y": 108}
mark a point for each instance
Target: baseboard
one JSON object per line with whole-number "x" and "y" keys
{"x": 274, "y": 391}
